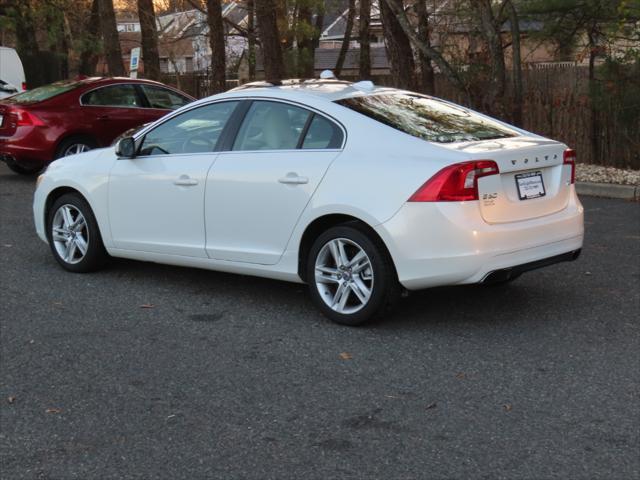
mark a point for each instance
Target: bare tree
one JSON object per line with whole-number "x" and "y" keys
{"x": 251, "y": 39}
{"x": 517, "y": 62}
{"x": 88, "y": 54}
{"x": 112, "y": 49}
{"x": 398, "y": 49}
{"x": 216, "y": 40}
{"x": 445, "y": 67}
{"x": 365, "y": 43}
{"x": 305, "y": 39}
{"x": 149, "y": 34}
{"x": 346, "y": 40}
{"x": 490, "y": 27}
{"x": 267, "y": 18}
{"x": 427, "y": 77}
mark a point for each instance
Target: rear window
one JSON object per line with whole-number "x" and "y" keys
{"x": 427, "y": 118}
{"x": 46, "y": 92}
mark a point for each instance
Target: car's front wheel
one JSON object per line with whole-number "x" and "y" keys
{"x": 74, "y": 236}
{"x": 350, "y": 275}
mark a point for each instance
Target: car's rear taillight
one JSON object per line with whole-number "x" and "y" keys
{"x": 570, "y": 159}
{"x": 455, "y": 183}
{"x": 24, "y": 118}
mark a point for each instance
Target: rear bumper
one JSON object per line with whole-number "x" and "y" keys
{"x": 435, "y": 244}
{"x": 27, "y": 147}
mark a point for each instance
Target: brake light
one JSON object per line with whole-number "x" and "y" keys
{"x": 24, "y": 118}
{"x": 455, "y": 183}
{"x": 569, "y": 158}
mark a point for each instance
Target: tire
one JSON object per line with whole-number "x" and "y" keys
{"x": 67, "y": 243}
{"x": 74, "y": 145}
{"x": 24, "y": 170}
{"x": 375, "y": 272}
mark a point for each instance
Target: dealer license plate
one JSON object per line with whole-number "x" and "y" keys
{"x": 530, "y": 185}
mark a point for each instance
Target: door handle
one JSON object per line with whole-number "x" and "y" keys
{"x": 103, "y": 117}
{"x": 185, "y": 181}
{"x": 292, "y": 178}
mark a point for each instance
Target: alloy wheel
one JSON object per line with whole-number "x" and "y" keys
{"x": 76, "y": 148}
{"x": 70, "y": 234}
{"x": 344, "y": 275}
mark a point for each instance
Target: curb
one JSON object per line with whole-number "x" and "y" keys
{"x": 608, "y": 190}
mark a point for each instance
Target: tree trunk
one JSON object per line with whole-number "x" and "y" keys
{"x": 427, "y": 77}
{"x": 270, "y": 40}
{"x": 595, "y": 122}
{"x": 346, "y": 40}
{"x": 365, "y": 44}
{"x": 517, "y": 64}
{"x": 88, "y": 57}
{"x": 216, "y": 40}
{"x": 398, "y": 49}
{"x": 149, "y": 34}
{"x": 112, "y": 50}
{"x": 251, "y": 39}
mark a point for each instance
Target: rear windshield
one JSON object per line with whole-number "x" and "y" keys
{"x": 427, "y": 118}
{"x": 46, "y": 92}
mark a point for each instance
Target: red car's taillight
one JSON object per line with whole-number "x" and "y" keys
{"x": 455, "y": 183}
{"x": 570, "y": 159}
{"x": 24, "y": 118}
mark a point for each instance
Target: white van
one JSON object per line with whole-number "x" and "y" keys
{"x": 12, "y": 79}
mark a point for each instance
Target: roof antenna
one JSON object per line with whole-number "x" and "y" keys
{"x": 327, "y": 74}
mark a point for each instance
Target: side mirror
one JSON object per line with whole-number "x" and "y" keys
{"x": 126, "y": 148}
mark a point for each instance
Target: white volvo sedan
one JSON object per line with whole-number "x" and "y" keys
{"x": 357, "y": 190}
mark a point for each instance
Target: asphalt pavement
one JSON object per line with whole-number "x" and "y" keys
{"x": 146, "y": 371}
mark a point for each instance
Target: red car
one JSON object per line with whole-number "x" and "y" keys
{"x": 73, "y": 116}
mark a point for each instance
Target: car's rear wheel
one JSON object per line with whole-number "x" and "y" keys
{"x": 74, "y": 145}
{"x": 351, "y": 277}
{"x": 74, "y": 236}
{"x": 22, "y": 170}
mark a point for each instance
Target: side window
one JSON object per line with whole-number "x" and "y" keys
{"x": 271, "y": 126}
{"x": 164, "y": 98}
{"x": 322, "y": 134}
{"x": 124, "y": 95}
{"x": 195, "y": 131}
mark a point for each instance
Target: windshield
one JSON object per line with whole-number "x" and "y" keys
{"x": 427, "y": 118}
{"x": 46, "y": 92}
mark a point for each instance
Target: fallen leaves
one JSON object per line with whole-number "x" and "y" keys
{"x": 345, "y": 356}
{"x": 461, "y": 375}
{"x": 53, "y": 410}
{"x": 147, "y": 305}
{"x": 507, "y": 407}
{"x": 11, "y": 400}
{"x": 431, "y": 405}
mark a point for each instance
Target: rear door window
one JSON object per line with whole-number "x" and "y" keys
{"x": 322, "y": 134}
{"x": 427, "y": 118}
{"x": 271, "y": 126}
{"x": 124, "y": 95}
{"x": 163, "y": 98}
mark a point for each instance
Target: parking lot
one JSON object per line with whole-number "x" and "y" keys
{"x": 150, "y": 371}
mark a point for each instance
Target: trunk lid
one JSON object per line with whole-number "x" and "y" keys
{"x": 529, "y": 166}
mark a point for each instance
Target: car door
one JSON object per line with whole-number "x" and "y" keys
{"x": 111, "y": 110}
{"x": 257, "y": 191}
{"x": 156, "y": 199}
